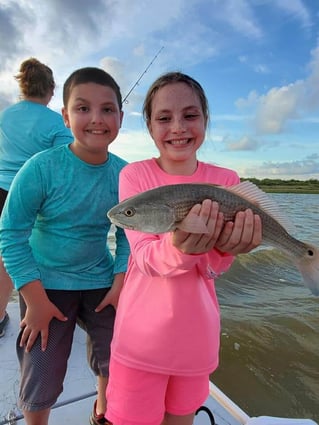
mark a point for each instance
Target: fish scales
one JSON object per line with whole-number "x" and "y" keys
{"x": 183, "y": 197}
{"x": 163, "y": 209}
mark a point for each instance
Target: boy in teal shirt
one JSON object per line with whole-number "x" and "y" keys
{"x": 54, "y": 245}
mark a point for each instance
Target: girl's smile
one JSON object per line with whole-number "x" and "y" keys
{"x": 178, "y": 126}
{"x": 179, "y": 142}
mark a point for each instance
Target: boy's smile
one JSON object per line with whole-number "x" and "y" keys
{"x": 95, "y": 117}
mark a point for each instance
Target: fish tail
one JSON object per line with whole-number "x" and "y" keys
{"x": 308, "y": 266}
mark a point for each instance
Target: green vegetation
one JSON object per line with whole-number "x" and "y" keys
{"x": 286, "y": 186}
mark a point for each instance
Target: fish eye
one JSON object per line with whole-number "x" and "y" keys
{"x": 129, "y": 212}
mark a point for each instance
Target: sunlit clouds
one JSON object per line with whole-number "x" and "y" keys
{"x": 258, "y": 62}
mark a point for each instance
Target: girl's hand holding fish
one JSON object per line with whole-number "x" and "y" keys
{"x": 241, "y": 235}
{"x": 234, "y": 237}
{"x": 198, "y": 243}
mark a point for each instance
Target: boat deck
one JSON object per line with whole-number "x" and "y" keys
{"x": 75, "y": 403}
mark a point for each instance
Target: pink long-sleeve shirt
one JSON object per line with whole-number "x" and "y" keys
{"x": 168, "y": 318}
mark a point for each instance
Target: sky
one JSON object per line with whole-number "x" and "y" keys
{"x": 257, "y": 60}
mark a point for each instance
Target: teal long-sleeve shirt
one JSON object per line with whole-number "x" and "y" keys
{"x": 27, "y": 128}
{"x": 54, "y": 225}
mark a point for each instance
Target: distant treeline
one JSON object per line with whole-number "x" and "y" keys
{"x": 286, "y": 186}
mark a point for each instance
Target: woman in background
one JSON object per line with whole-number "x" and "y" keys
{"x": 26, "y": 127}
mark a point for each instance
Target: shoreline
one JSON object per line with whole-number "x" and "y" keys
{"x": 300, "y": 191}
{"x": 307, "y": 187}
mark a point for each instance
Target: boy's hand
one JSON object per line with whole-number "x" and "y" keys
{"x": 40, "y": 311}
{"x": 113, "y": 295}
{"x": 36, "y": 321}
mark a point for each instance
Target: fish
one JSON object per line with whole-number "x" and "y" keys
{"x": 164, "y": 208}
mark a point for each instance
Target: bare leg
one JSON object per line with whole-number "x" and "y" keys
{"x": 40, "y": 417}
{"x": 178, "y": 420}
{"x": 5, "y": 289}
{"x": 101, "y": 400}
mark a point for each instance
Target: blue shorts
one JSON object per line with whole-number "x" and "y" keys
{"x": 43, "y": 372}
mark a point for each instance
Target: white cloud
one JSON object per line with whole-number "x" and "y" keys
{"x": 282, "y": 104}
{"x": 277, "y": 107}
{"x": 134, "y": 145}
{"x": 251, "y": 100}
{"x": 222, "y": 42}
{"x": 311, "y": 100}
{"x": 245, "y": 143}
{"x": 307, "y": 168}
{"x": 240, "y": 16}
{"x": 297, "y": 9}
{"x": 67, "y": 35}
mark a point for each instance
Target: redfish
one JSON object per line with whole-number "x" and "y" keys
{"x": 164, "y": 208}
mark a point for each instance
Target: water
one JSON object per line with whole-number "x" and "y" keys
{"x": 269, "y": 360}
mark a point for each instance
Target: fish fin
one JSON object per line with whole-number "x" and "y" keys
{"x": 192, "y": 223}
{"x": 262, "y": 200}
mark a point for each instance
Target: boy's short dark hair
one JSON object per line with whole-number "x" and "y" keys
{"x": 90, "y": 75}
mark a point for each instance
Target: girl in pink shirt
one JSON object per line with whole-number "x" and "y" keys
{"x": 167, "y": 329}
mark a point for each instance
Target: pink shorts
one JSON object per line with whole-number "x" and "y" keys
{"x": 136, "y": 397}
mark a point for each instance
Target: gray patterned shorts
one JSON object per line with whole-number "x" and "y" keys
{"x": 43, "y": 372}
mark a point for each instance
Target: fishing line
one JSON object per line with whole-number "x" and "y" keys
{"x": 141, "y": 76}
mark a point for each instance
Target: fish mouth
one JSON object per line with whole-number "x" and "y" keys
{"x": 118, "y": 224}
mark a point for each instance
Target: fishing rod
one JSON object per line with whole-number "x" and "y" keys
{"x": 141, "y": 76}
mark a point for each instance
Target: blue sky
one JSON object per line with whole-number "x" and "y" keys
{"x": 258, "y": 61}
